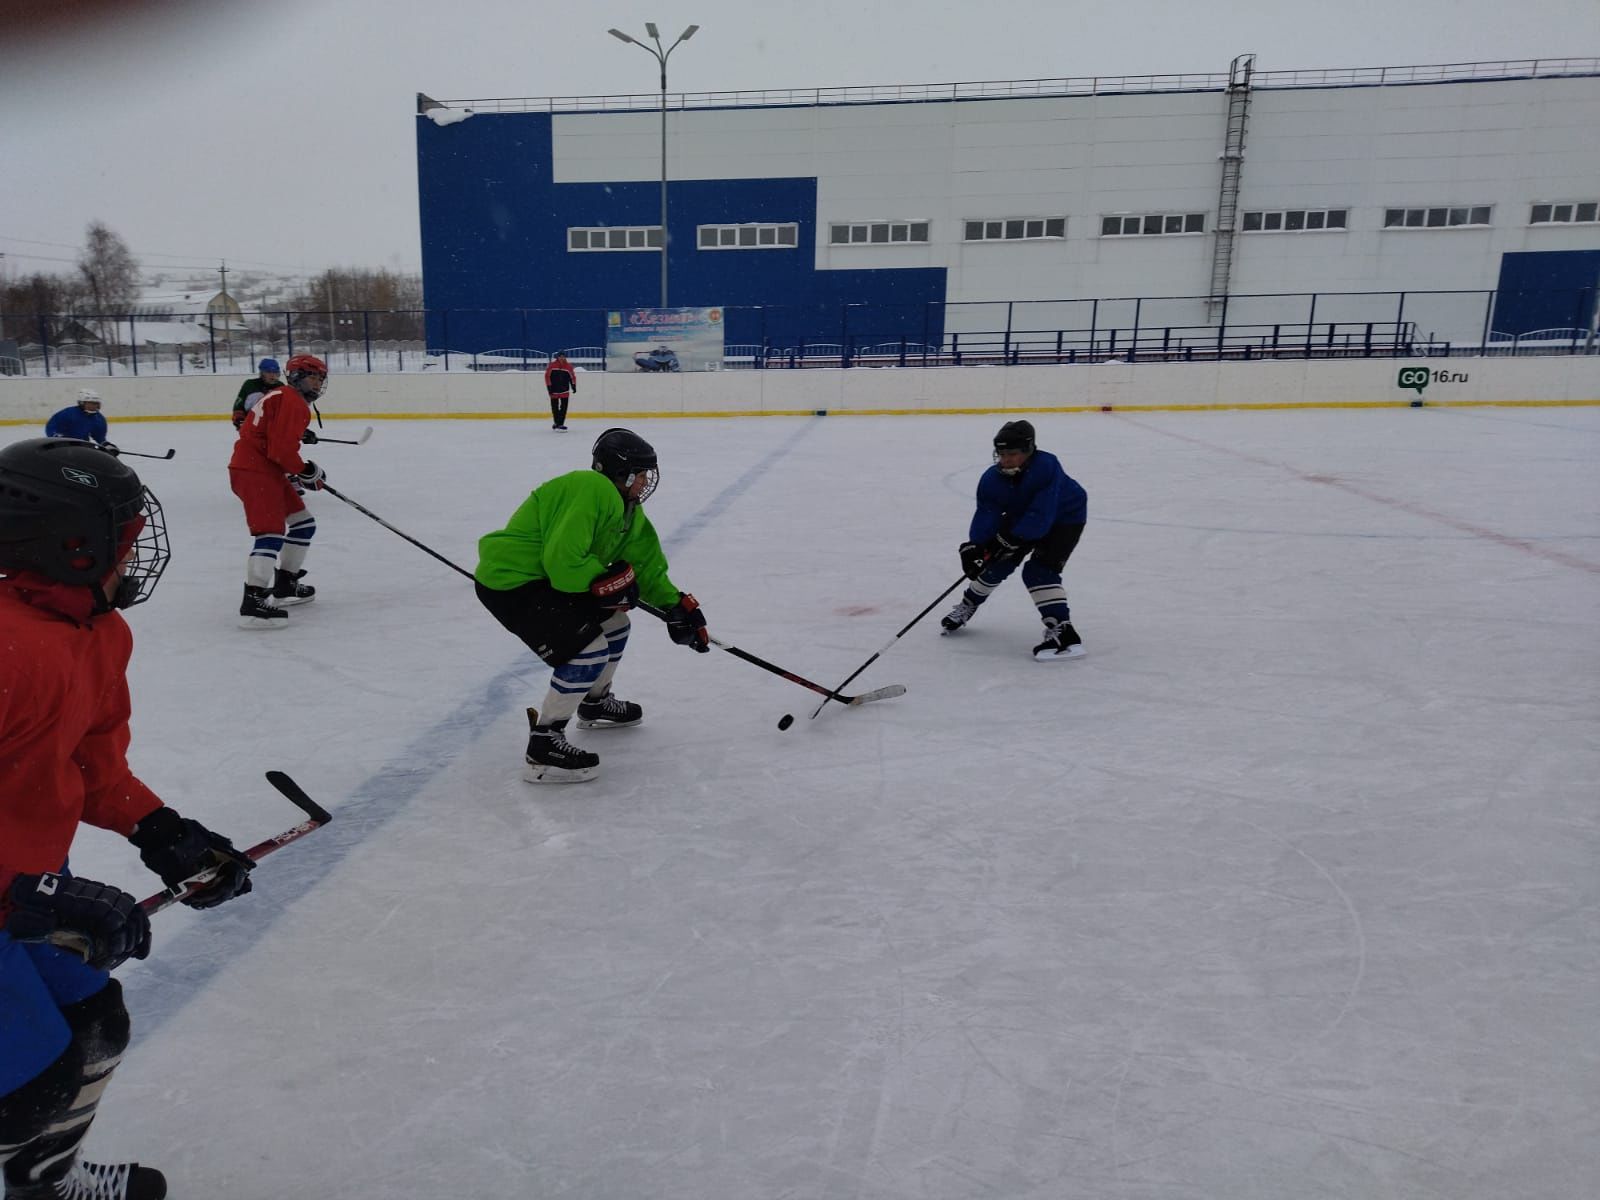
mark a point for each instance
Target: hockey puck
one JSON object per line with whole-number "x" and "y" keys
{"x": 786, "y": 720}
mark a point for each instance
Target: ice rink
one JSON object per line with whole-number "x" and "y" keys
{"x": 1287, "y": 891}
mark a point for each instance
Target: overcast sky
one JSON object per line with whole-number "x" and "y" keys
{"x": 281, "y": 135}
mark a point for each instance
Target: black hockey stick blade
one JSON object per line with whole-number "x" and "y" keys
{"x": 136, "y": 454}
{"x": 356, "y": 441}
{"x": 296, "y": 795}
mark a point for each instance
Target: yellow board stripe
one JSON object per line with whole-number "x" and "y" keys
{"x": 1238, "y": 406}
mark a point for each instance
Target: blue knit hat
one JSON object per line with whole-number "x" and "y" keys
{"x": 268, "y": 364}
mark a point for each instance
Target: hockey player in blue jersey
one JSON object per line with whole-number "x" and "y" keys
{"x": 1028, "y": 507}
{"x": 83, "y": 421}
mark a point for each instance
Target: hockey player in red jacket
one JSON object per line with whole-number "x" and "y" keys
{"x": 560, "y": 380}
{"x": 80, "y": 538}
{"x": 268, "y": 475}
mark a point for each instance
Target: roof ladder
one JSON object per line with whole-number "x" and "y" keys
{"x": 1232, "y": 156}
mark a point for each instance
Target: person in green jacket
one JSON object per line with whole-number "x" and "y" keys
{"x": 562, "y": 575}
{"x": 251, "y": 390}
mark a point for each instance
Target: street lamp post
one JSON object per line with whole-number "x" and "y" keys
{"x": 661, "y": 56}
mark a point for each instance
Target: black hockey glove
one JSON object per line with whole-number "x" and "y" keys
{"x": 617, "y": 590}
{"x": 110, "y": 448}
{"x": 308, "y": 438}
{"x": 96, "y": 920}
{"x": 178, "y": 848}
{"x": 973, "y": 556}
{"x": 311, "y": 476}
{"x": 686, "y": 624}
{"x": 1006, "y": 549}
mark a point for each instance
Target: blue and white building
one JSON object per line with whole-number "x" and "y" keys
{"x": 922, "y": 212}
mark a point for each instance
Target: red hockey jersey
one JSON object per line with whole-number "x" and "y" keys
{"x": 63, "y": 725}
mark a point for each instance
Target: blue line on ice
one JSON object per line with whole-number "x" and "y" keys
{"x": 183, "y": 965}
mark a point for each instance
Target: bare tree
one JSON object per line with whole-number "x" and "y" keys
{"x": 39, "y": 306}
{"x": 348, "y": 302}
{"x": 110, "y": 275}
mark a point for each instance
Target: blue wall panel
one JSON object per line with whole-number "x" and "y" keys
{"x": 1546, "y": 289}
{"x": 497, "y": 273}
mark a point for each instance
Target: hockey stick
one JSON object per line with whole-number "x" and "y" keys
{"x": 367, "y": 512}
{"x": 135, "y": 454}
{"x": 360, "y": 441}
{"x": 316, "y": 818}
{"x": 883, "y": 693}
{"x": 890, "y": 642}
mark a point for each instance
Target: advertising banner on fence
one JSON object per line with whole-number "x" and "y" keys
{"x": 664, "y": 339}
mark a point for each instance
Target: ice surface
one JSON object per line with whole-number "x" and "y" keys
{"x": 1287, "y": 890}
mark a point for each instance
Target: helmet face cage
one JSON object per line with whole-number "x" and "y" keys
{"x": 147, "y": 554}
{"x": 652, "y": 477}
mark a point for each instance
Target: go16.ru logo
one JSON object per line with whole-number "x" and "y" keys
{"x": 1417, "y": 378}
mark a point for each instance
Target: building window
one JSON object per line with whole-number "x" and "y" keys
{"x": 615, "y": 237}
{"x": 753, "y": 236}
{"x": 1568, "y": 212}
{"x": 1295, "y": 220}
{"x": 870, "y": 233}
{"x": 1014, "y": 229}
{"x": 1436, "y": 218}
{"x": 1137, "y": 225}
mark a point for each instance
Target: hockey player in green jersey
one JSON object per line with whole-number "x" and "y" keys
{"x": 562, "y": 575}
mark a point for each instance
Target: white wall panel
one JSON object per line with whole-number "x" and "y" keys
{"x": 1504, "y": 143}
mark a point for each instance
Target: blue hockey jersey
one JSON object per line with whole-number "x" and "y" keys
{"x": 1027, "y": 505}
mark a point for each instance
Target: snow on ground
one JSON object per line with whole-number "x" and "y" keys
{"x": 1286, "y": 890}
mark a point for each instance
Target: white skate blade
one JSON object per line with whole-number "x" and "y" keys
{"x": 1059, "y": 655}
{"x": 540, "y": 773}
{"x": 291, "y": 601}
{"x": 943, "y": 632}
{"x": 261, "y": 623}
{"x": 602, "y": 723}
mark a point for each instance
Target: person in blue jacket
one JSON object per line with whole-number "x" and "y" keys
{"x": 83, "y": 421}
{"x": 1028, "y": 508}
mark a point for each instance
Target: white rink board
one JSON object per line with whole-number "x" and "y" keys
{"x": 867, "y": 389}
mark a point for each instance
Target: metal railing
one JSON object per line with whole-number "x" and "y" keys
{"x": 1087, "y": 85}
{"x": 1132, "y": 329}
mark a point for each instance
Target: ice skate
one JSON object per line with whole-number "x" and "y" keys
{"x": 1061, "y": 641}
{"x": 959, "y": 615}
{"x": 553, "y": 759}
{"x": 608, "y": 712}
{"x": 287, "y": 589}
{"x": 260, "y": 611}
{"x": 97, "y": 1181}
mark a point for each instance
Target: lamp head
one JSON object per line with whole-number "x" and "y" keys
{"x": 619, "y": 35}
{"x": 650, "y": 29}
{"x": 688, "y": 33}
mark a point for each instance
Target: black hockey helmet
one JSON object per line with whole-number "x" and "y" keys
{"x": 1014, "y": 435}
{"x": 71, "y": 512}
{"x": 621, "y": 455}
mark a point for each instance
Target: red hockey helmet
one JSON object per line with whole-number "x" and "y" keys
{"x": 298, "y": 373}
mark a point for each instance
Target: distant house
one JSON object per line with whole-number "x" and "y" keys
{"x": 209, "y": 309}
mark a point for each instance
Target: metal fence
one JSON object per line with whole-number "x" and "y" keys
{"x": 1008, "y": 332}
{"x": 989, "y": 89}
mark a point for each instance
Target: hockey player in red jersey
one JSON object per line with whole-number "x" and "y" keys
{"x": 80, "y": 539}
{"x": 268, "y": 475}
